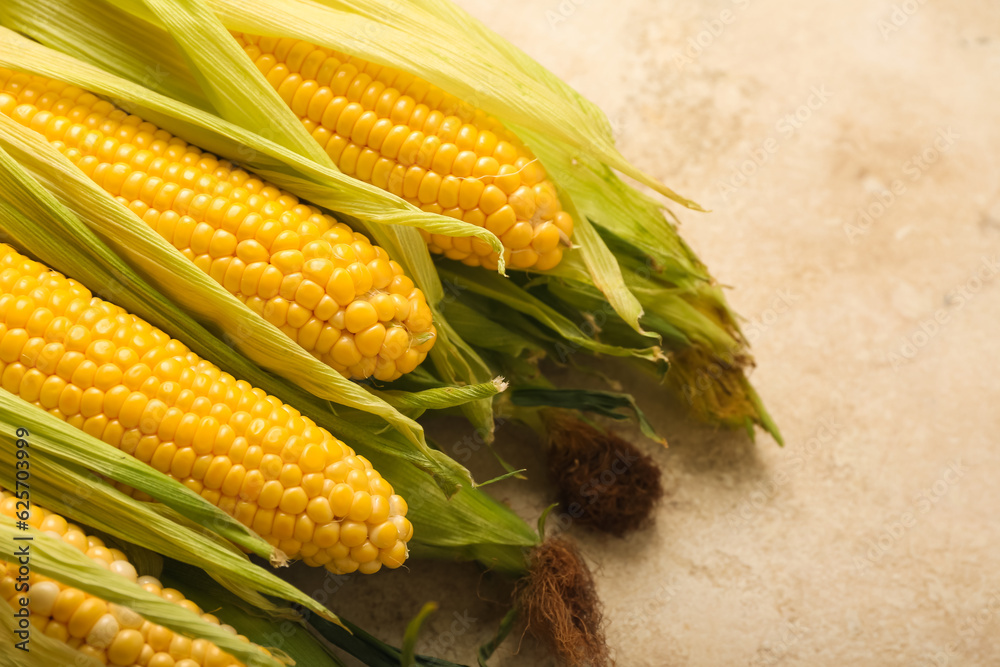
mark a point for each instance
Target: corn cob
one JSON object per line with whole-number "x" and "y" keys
{"x": 109, "y": 633}
{"x": 119, "y": 379}
{"x": 327, "y": 287}
{"x": 402, "y": 134}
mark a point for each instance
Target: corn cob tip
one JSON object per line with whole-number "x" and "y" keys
{"x": 117, "y": 378}
{"x": 327, "y": 287}
{"x": 402, "y": 134}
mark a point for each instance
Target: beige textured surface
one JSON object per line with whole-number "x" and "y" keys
{"x": 873, "y": 538}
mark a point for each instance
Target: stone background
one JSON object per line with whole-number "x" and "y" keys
{"x": 873, "y": 537}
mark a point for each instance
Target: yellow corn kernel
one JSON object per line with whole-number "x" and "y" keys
{"x": 245, "y": 233}
{"x": 246, "y": 452}
{"x": 406, "y": 136}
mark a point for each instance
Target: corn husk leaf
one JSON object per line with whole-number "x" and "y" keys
{"x": 301, "y": 645}
{"x": 470, "y": 281}
{"x": 605, "y": 403}
{"x": 68, "y": 489}
{"x": 602, "y": 197}
{"x": 46, "y": 223}
{"x": 441, "y": 398}
{"x": 291, "y": 636}
{"x": 380, "y": 213}
{"x": 368, "y": 649}
{"x": 670, "y": 305}
{"x": 185, "y": 115}
{"x": 470, "y": 518}
{"x": 412, "y": 634}
{"x": 517, "y": 338}
{"x": 55, "y": 559}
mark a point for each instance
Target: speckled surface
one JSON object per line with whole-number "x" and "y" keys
{"x": 873, "y": 537}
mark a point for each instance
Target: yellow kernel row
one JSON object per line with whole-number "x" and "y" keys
{"x": 127, "y": 383}
{"x": 323, "y": 284}
{"x": 403, "y": 135}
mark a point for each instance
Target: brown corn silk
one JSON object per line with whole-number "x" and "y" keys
{"x": 612, "y": 484}
{"x": 558, "y": 600}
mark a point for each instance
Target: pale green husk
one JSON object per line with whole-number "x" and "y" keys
{"x": 469, "y": 524}
{"x": 416, "y": 403}
{"x": 382, "y": 215}
{"x": 290, "y": 636}
{"x": 467, "y": 279}
{"x": 439, "y": 42}
{"x": 40, "y": 222}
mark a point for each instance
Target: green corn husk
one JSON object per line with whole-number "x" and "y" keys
{"x": 569, "y": 135}
{"x": 55, "y": 559}
{"x": 705, "y": 351}
{"x": 455, "y": 361}
{"x": 415, "y": 403}
{"x": 469, "y": 525}
{"x": 290, "y": 636}
{"x": 36, "y": 220}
